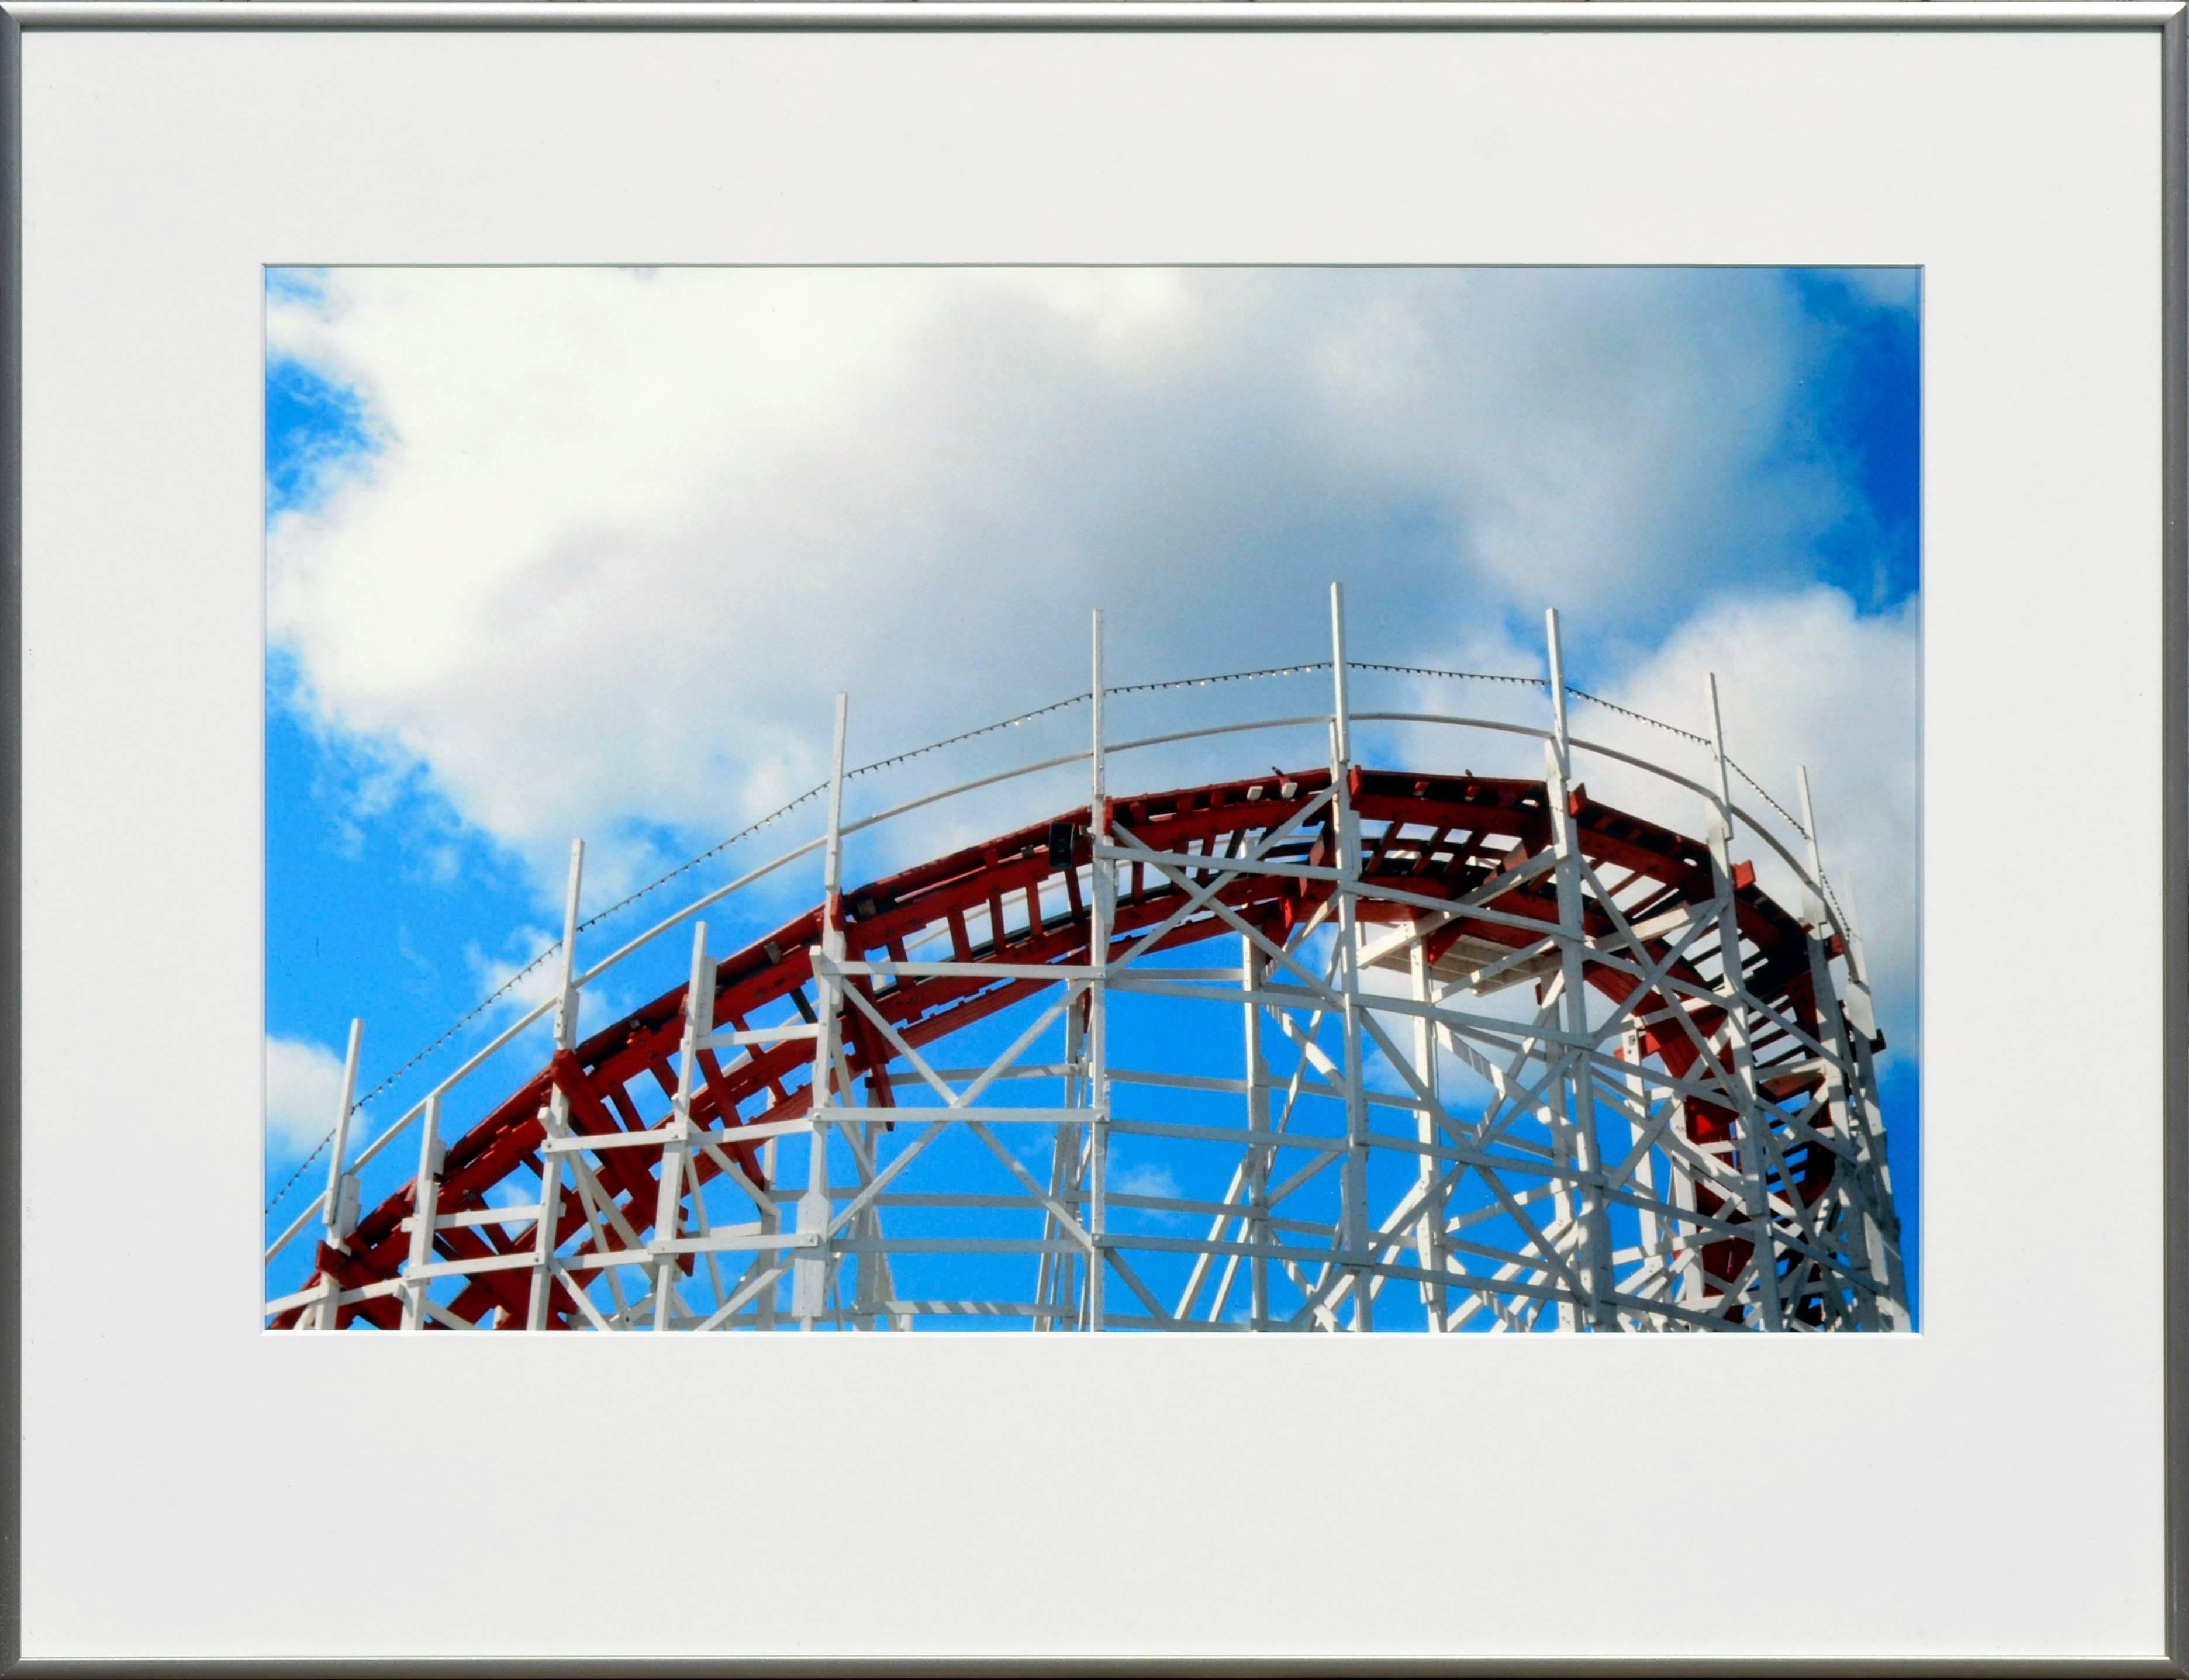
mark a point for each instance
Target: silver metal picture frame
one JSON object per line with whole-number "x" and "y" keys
{"x": 2164, "y": 25}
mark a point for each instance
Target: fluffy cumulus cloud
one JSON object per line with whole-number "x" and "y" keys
{"x": 618, "y": 536}
{"x": 303, "y": 1088}
{"x": 1803, "y": 681}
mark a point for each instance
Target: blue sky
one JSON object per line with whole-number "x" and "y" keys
{"x": 557, "y": 552}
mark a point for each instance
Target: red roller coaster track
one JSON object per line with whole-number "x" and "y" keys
{"x": 1439, "y": 837}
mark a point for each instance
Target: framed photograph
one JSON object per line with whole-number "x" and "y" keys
{"x": 1214, "y": 834}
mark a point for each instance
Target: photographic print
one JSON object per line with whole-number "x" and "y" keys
{"x": 1072, "y": 800}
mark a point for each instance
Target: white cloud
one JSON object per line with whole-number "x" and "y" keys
{"x": 1802, "y": 679}
{"x": 530, "y": 964}
{"x": 531, "y": 958}
{"x": 304, "y": 1088}
{"x": 627, "y": 532}
{"x": 1150, "y": 1179}
{"x": 1146, "y": 1178}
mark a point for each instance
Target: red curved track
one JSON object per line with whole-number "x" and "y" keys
{"x": 1440, "y": 836}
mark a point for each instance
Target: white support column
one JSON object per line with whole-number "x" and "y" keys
{"x": 1254, "y": 968}
{"x": 809, "y": 1276}
{"x": 1056, "y": 1278}
{"x": 869, "y": 1289}
{"x": 1752, "y": 1125}
{"x": 1353, "y": 1186}
{"x": 1861, "y": 1008}
{"x": 555, "y": 1116}
{"x": 1578, "y": 1095}
{"x": 771, "y": 1224}
{"x": 1101, "y": 916}
{"x": 1429, "y": 1234}
{"x": 1867, "y": 1237}
{"x": 425, "y": 1208}
{"x": 1656, "y": 1247}
{"x": 338, "y": 1210}
{"x": 1863, "y": 1019}
{"x": 1686, "y": 1244}
{"x": 669, "y": 1190}
{"x": 1816, "y": 852}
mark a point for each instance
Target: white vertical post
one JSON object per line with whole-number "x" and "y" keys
{"x": 1341, "y": 716}
{"x": 1752, "y": 1125}
{"x": 338, "y": 1211}
{"x": 1863, "y": 1234}
{"x": 1577, "y": 1097}
{"x": 1556, "y": 754}
{"x": 555, "y": 1116}
{"x": 873, "y": 1270}
{"x": 1429, "y": 1234}
{"x": 1809, "y": 824}
{"x": 339, "y": 1223}
{"x": 1101, "y": 914}
{"x": 1656, "y": 1241}
{"x": 809, "y": 1278}
{"x": 1254, "y": 968}
{"x": 1861, "y": 1008}
{"x": 1717, "y": 754}
{"x": 1353, "y": 1186}
{"x": 1055, "y": 1276}
{"x": 771, "y": 1224}
{"x": 1862, "y": 1016}
{"x": 425, "y": 1204}
{"x": 669, "y": 1192}
{"x": 1561, "y": 743}
{"x": 1686, "y": 1241}
{"x": 1840, "y": 1075}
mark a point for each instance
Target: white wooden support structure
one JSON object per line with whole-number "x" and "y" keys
{"x": 1865, "y": 1234}
{"x": 1576, "y": 1073}
{"x": 1102, "y": 911}
{"x": 1752, "y": 1135}
{"x": 1429, "y": 1228}
{"x": 676, "y": 1145}
{"x": 1253, "y": 975}
{"x": 427, "y": 1206}
{"x": 810, "y": 1272}
{"x": 1870, "y": 1120}
{"x": 555, "y": 1120}
{"x": 339, "y": 1202}
{"x": 1353, "y": 1217}
{"x": 1488, "y": 1030}
{"x": 1657, "y": 1256}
